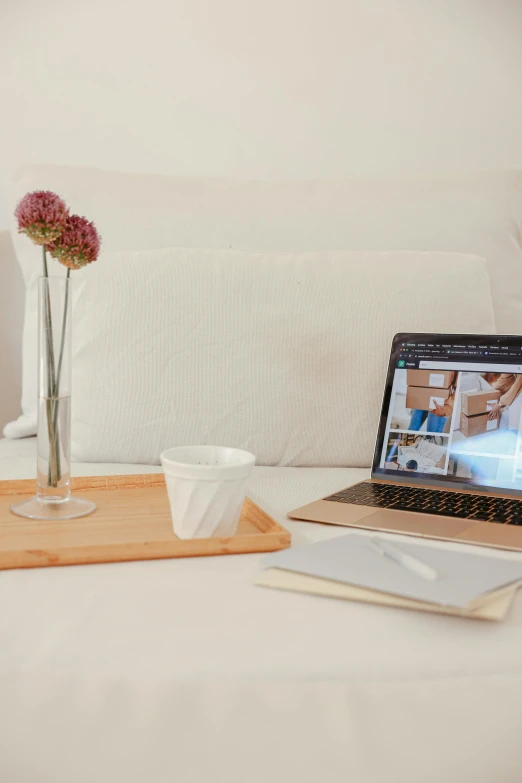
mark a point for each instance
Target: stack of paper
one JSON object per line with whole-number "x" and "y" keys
{"x": 350, "y": 567}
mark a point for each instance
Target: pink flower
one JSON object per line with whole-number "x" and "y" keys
{"x": 42, "y": 216}
{"x": 78, "y": 245}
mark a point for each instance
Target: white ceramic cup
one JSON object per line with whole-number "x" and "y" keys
{"x": 206, "y": 487}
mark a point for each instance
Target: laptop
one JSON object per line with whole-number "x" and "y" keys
{"x": 448, "y": 456}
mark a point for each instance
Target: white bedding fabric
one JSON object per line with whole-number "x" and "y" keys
{"x": 267, "y": 352}
{"x": 183, "y": 670}
{"x": 475, "y": 213}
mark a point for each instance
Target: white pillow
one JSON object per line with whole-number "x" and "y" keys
{"x": 281, "y": 354}
{"x": 479, "y": 213}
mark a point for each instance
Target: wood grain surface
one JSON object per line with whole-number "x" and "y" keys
{"x": 132, "y": 522}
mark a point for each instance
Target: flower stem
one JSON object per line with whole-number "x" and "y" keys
{"x": 62, "y": 343}
{"x": 60, "y": 358}
{"x": 54, "y": 448}
{"x": 49, "y": 330}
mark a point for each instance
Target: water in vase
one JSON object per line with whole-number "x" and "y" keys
{"x": 54, "y": 438}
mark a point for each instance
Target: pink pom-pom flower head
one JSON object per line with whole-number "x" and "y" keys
{"x": 42, "y": 216}
{"x": 78, "y": 244}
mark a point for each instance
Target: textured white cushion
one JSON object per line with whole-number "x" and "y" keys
{"x": 479, "y": 213}
{"x": 281, "y": 354}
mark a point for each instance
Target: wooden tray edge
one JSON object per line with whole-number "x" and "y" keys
{"x": 79, "y": 483}
{"x": 214, "y": 547}
{"x": 272, "y": 536}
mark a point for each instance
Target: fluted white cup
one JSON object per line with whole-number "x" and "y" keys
{"x": 206, "y": 486}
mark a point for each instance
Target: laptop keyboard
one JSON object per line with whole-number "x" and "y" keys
{"x": 430, "y": 501}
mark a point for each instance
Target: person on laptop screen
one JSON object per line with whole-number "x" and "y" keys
{"x": 508, "y": 408}
{"x": 437, "y": 417}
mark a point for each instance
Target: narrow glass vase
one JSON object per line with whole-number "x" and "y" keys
{"x": 53, "y": 498}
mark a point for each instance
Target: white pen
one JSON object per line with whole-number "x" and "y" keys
{"x": 408, "y": 561}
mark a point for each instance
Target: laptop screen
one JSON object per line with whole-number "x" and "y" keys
{"x": 452, "y": 411}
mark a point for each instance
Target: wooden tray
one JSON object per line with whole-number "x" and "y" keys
{"x": 131, "y": 522}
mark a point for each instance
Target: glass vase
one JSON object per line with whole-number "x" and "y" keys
{"x": 53, "y": 498}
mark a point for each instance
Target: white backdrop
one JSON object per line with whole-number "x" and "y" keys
{"x": 261, "y": 88}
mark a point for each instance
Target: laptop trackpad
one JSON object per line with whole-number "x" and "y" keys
{"x": 420, "y": 524}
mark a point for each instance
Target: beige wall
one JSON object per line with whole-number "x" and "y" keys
{"x": 11, "y": 315}
{"x": 252, "y": 88}
{"x": 263, "y": 88}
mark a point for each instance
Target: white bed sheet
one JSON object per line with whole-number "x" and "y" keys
{"x": 183, "y": 669}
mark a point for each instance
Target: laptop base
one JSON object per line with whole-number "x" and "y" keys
{"x": 443, "y": 528}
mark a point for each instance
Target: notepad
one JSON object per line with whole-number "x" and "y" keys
{"x": 493, "y": 607}
{"x": 464, "y": 579}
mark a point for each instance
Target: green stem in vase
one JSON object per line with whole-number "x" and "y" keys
{"x": 49, "y": 330}
{"x": 62, "y": 343}
{"x": 54, "y": 453}
{"x": 60, "y": 358}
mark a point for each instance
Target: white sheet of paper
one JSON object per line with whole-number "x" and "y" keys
{"x": 492, "y": 425}
{"x": 350, "y": 560}
{"x": 438, "y": 400}
{"x": 436, "y": 379}
{"x": 494, "y": 607}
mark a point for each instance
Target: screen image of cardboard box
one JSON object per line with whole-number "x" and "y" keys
{"x": 438, "y": 379}
{"x": 477, "y": 425}
{"x": 422, "y": 398}
{"x": 475, "y": 402}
